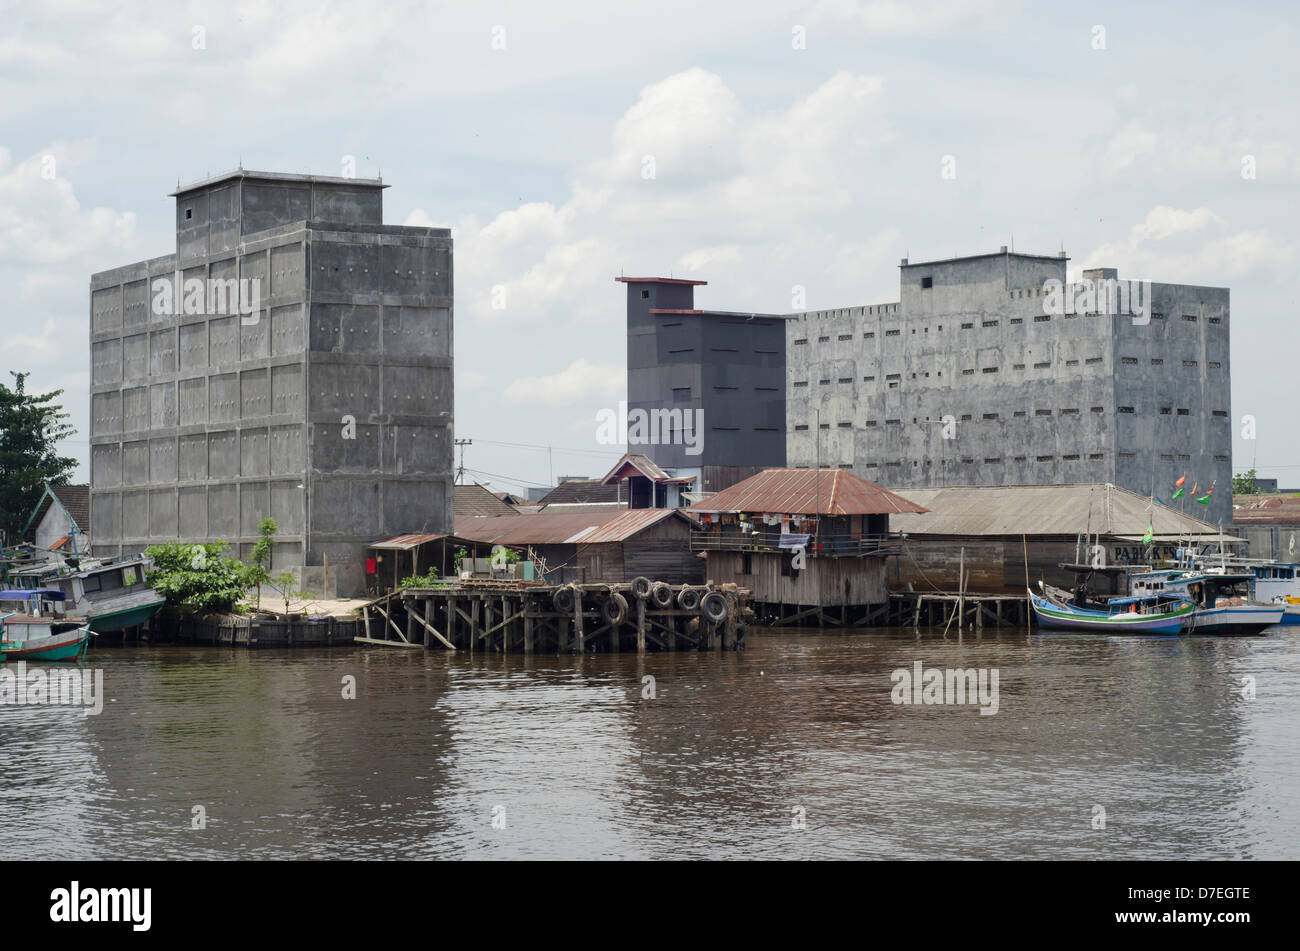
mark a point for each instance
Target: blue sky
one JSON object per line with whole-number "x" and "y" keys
{"x": 1116, "y": 133}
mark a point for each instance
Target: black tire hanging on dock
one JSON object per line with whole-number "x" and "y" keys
{"x": 641, "y": 587}
{"x": 563, "y": 599}
{"x": 688, "y": 599}
{"x": 714, "y": 607}
{"x": 614, "y": 609}
{"x": 661, "y": 594}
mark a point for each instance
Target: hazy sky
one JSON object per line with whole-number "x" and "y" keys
{"x": 792, "y": 144}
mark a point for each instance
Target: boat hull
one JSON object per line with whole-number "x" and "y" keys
{"x": 1056, "y": 617}
{"x": 112, "y": 622}
{"x": 69, "y": 645}
{"x": 1240, "y": 620}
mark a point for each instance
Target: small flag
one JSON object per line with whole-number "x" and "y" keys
{"x": 1205, "y": 499}
{"x": 1146, "y": 539}
{"x": 1181, "y": 479}
{"x": 1196, "y": 486}
{"x": 1177, "y": 495}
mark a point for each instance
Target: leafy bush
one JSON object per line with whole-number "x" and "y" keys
{"x": 198, "y": 576}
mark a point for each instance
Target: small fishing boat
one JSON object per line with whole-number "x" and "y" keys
{"x": 1221, "y": 596}
{"x": 34, "y": 628}
{"x": 110, "y": 593}
{"x": 1149, "y": 614}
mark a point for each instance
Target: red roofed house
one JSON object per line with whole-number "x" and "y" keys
{"x": 811, "y": 544}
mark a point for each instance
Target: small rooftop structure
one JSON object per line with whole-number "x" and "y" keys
{"x": 475, "y": 499}
{"x": 831, "y": 492}
{"x": 582, "y": 490}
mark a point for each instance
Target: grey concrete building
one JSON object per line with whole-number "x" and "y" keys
{"x": 327, "y": 406}
{"x": 975, "y": 376}
{"x": 716, "y": 378}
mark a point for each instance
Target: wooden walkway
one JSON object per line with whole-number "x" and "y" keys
{"x": 530, "y": 617}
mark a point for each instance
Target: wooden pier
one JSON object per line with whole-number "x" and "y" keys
{"x": 956, "y": 610}
{"x": 531, "y": 617}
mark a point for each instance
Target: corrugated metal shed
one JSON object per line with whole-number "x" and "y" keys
{"x": 1043, "y": 510}
{"x": 807, "y": 492}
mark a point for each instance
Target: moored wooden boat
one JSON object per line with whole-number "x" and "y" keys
{"x": 1142, "y": 615}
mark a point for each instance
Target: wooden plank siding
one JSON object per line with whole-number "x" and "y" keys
{"x": 830, "y": 582}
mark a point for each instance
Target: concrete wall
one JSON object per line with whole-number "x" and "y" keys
{"x": 202, "y": 424}
{"x": 1032, "y": 398}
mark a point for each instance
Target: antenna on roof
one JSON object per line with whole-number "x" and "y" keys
{"x": 1013, "y": 242}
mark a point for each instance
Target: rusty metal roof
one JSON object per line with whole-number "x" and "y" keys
{"x": 645, "y": 466}
{"x": 404, "y": 542}
{"x": 1283, "y": 509}
{"x": 628, "y": 523}
{"x": 806, "y": 492}
{"x": 560, "y": 528}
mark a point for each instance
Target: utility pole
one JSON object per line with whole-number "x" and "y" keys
{"x": 460, "y": 472}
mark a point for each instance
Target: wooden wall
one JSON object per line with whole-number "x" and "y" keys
{"x": 830, "y": 582}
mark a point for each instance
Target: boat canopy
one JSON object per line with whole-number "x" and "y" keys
{"x": 46, "y": 594}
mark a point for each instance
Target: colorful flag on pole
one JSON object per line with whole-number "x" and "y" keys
{"x": 1205, "y": 499}
{"x": 1181, "y": 479}
{"x": 1178, "y": 494}
{"x": 1146, "y": 539}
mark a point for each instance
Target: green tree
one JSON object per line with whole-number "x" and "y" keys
{"x": 289, "y": 590}
{"x": 199, "y": 576}
{"x": 259, "y": 572}
{"x": 1244, "y": 483}
{"x": 30, "y": 427}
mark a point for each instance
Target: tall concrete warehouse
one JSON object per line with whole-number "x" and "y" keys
{"x": 714, "y": 379}
{"x": 977, "y": 376}
{"x": 293, "y": 358}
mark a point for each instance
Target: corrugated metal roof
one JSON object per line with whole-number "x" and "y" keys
{"x": 1273, "y": 508}
{"x": 625, "y": 525}
{"x": 544, "y": 528}
{"x": 559, "y": 528}
{"x": 404, "y": 542}
{"x": 582, "y": 490}
{"x": 475, "y": 499}
{"x": 645, "y": 466}
{"x": 806, "y": 492}
{"x": 1043, "y": 510}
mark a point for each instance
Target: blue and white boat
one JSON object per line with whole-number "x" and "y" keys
{"x": 1277, "y": 583}
{"x": 1146, "y": 614}
{"x": 1222, "y": 598}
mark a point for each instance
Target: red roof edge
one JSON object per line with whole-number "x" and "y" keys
{"x": 657, "y": 280}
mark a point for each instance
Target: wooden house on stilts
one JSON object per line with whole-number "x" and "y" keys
{"x": 811, "y": 544}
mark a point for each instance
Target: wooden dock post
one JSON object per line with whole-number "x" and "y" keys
{"x": 961, "y": 592}
{"x": 579, "y": 635}
{"x": 640, "y": 625}
{"x": 528, "y": 625}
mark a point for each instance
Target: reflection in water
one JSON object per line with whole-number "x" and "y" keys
{"x": 1154, "y": 730}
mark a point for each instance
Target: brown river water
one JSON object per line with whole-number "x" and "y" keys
{"x": 793, "y": 748}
